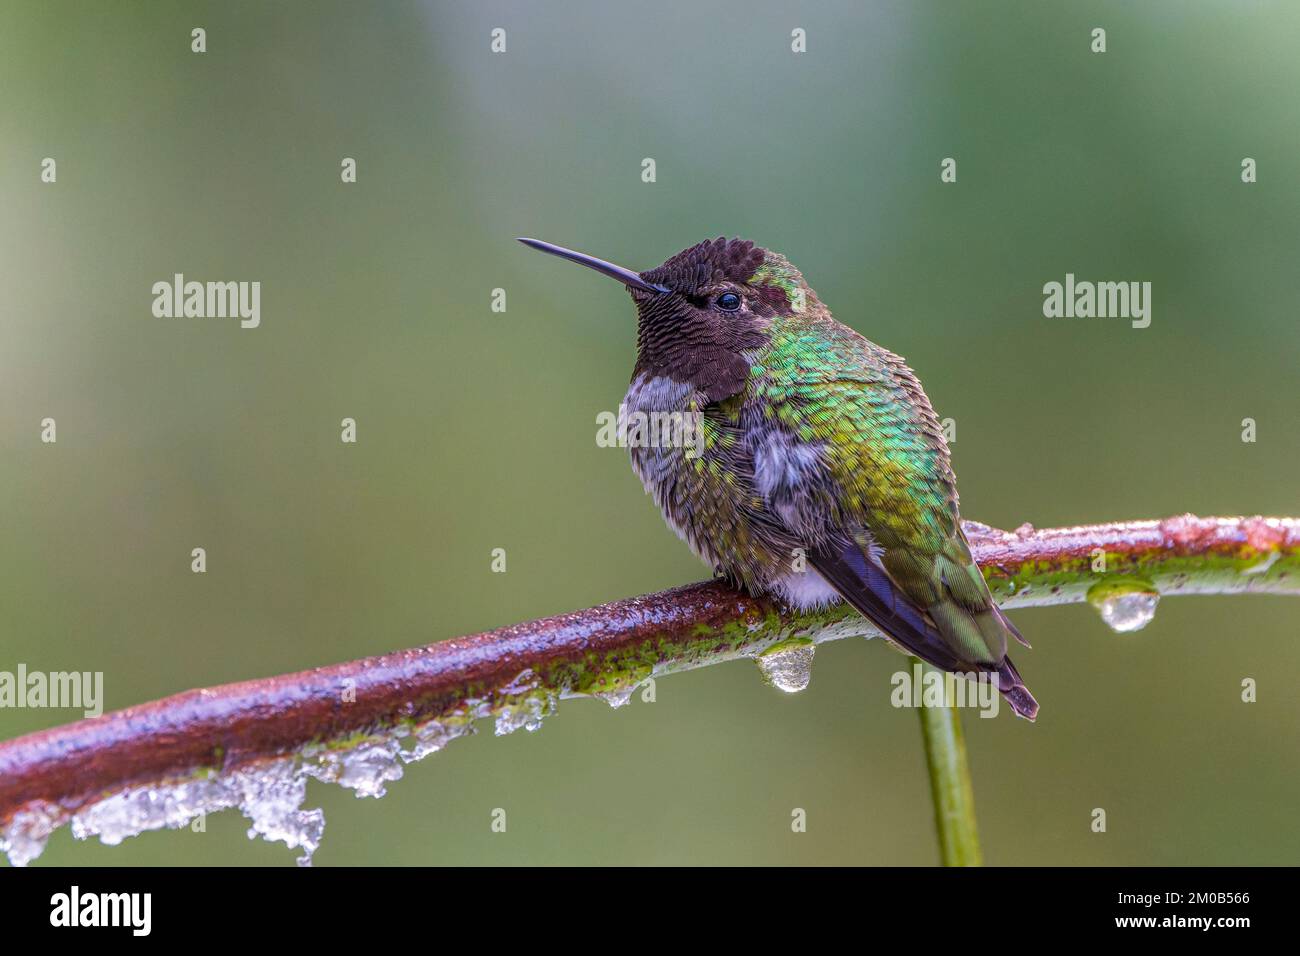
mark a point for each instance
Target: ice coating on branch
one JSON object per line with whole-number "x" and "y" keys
{"x": 1184, "y": 555}
{"x": 618, "y": 697}
{"x": 23, "y": 840}
{"x": 269, "y": 793}
{"x": 526, "y": 705}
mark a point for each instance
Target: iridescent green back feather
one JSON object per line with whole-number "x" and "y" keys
{"x": 885, "y": 451}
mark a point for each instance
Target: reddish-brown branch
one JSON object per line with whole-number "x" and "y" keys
{"x": 235, "y": 725}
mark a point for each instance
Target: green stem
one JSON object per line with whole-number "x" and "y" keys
{"x": 950, "y": 786}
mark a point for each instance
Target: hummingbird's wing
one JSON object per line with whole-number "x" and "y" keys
{"x": 894, "y": 548}
{"x": 946, "y": 633}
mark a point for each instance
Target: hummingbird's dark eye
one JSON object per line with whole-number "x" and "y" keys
{"x": 728, "y": 302}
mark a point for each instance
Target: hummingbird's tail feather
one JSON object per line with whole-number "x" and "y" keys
{"x": 1016, "y": 693}
{"x": 1011, "y": 628}
{"x": 949, "y": 633}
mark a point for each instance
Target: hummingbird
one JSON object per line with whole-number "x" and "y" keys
{"x": 824, "y": 474}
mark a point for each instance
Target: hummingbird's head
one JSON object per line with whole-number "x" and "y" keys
{"x": 702, "y": 311}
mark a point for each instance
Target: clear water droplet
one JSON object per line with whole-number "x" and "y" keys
{"x": 788, "y": 666}
{"x": 1124, "y": 605}
{"x": 528, "y": 713}
{"x": 527, "y": 704}
{"x": 617, "y": 697}
{"x": 1129, "y": 612}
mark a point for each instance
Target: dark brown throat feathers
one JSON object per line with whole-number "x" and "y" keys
{"x": 699, "y": 331}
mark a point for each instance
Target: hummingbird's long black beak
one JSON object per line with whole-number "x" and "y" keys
{"x": 625, "y": 276}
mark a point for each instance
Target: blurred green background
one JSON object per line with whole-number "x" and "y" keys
{"x": 476, "y": 429}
